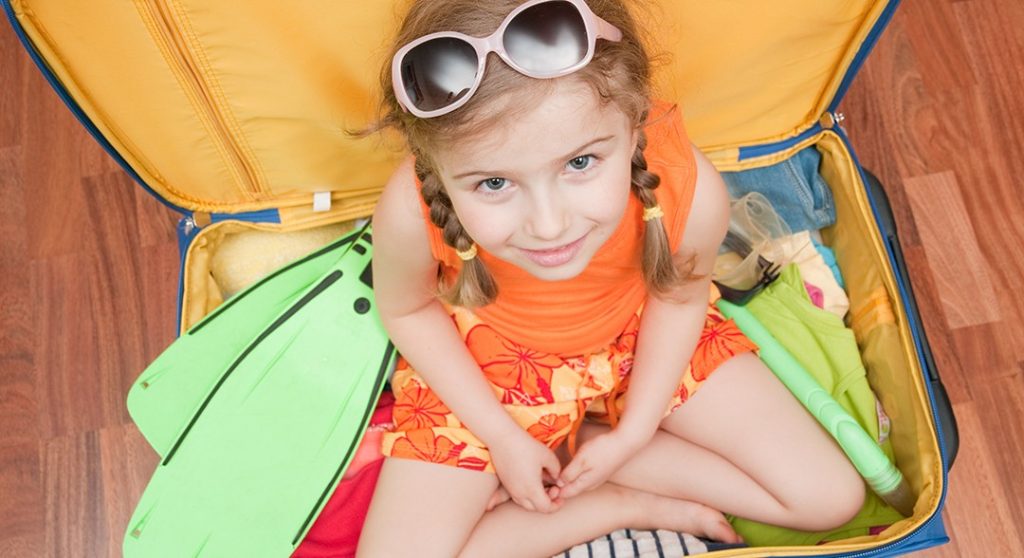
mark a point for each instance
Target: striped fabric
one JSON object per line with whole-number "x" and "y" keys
{"x": 632, "y": 543}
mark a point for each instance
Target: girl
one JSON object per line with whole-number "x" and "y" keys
{"x": 543, "y": 265}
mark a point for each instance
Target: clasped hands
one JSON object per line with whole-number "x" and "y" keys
{"x": 532, "y": 476}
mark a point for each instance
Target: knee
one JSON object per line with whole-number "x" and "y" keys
{"x": 833, "y": 507}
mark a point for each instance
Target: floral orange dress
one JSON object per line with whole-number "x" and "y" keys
{"x": 554, "y": 356}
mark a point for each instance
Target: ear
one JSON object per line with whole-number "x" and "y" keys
{"x": 634, "y": 139}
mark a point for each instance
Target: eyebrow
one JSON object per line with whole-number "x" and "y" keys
{"x": 564, "y": 158}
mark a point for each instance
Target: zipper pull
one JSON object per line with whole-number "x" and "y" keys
{"x": 831, "y": 120}
{"x": 188, "y": 224}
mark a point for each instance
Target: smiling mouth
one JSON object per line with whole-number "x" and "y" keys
{"x": 553, "y": 257}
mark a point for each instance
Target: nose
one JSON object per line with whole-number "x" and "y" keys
{"x": 549, "y": 216}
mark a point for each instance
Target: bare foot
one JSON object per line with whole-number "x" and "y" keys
{"x": 662, "y": 512}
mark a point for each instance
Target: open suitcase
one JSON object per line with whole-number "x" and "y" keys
{"x": 237, "y": 118}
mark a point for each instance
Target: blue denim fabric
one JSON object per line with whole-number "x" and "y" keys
{"x": 795, "y": 189}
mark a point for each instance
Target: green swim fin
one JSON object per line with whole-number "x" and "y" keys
{"x": 263, "y": 450}
{"x": 168, "y": 392}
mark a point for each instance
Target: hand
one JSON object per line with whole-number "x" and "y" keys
{"x": 523, "y": 464}
{"x": 501, "y": 496}
{"x": 595, "y": 462}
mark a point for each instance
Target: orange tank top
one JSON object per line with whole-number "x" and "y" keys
{"x": 586, "y": 313}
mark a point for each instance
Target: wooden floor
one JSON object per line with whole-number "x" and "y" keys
{"x": 88, "y": 279}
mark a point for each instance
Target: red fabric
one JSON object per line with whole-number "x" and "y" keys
{"x": 335, "y": 533}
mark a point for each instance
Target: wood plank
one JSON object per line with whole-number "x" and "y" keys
{"x": 988, "y": 349}
{"x": 93, "y": 481}
{"x": 127, "y": 463}
{"x": 159, "y": 286}
{"x": 95, "y": 334}
{"x": 15, "y": 69}
{"x": 74, "y": 394}
{"x": 943, "y": 63}
{"x": 21, "y": 492}
{"x": 62, "y": 153}
{"x": 156, "y": 222}
{"x": 999, "y": 409}
{"x": 990, "y": 192}
{"x": 76, "y": 518}
{"x": 977, "y": 494}
{"x": 24, "y": 546}
{"x": 958, "y": 268}
{"x": 18, "y": 410}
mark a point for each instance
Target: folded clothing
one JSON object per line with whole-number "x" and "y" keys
{"x": 800, "y": 250}
{"x": 635, "y": 543}
{"x": 794, "y": 187}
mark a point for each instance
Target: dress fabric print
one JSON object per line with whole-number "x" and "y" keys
{"x": 548, "y": 395}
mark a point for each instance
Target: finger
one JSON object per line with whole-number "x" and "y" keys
{"x": 551, "y": 466}
{"x": 547, "y": 478}
{"x": 540, "y": 500}
{"x": 554, "y": 492}
{"x": 544, "y": 504}
{"x": 526, "y": 505}
{"x": 576, "y": 487}
{"x": 556, "y": 505}
{"x": 571, "y": 472}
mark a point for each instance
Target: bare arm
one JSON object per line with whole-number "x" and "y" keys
{"x": 405, "y": 281}
{"x": 669, "y": 331}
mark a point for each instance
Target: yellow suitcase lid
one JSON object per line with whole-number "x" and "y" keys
{"x": 226, "y": 110}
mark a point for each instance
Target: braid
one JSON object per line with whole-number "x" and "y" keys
{"x": 474, "y": 285}
{"x": 662, "y": 271}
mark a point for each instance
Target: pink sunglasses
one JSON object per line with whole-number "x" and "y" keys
{"x": 439, "y": 72}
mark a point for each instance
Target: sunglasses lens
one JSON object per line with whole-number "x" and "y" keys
{"x": 439, "y": 72}
{"x": 547, "y": 38}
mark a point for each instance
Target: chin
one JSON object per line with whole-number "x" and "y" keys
{"x": 556, "y": 273}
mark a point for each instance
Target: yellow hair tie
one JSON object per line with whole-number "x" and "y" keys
{"x": 468, "y": 254}
{"x": 653, "y": 213}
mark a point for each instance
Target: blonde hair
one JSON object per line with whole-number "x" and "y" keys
{"x": 619, "y": 73}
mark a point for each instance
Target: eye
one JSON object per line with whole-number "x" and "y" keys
{"x": 583, "y": 162}
{"x": 494, "y": 184}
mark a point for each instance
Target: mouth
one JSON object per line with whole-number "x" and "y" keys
{"x": 557, "y": 256}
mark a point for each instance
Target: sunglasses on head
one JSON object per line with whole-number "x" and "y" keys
{"x": 439, "y": 72}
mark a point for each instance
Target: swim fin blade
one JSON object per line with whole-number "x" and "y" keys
{"x": 256, "y": 459}
{"x": 171, "y": 388}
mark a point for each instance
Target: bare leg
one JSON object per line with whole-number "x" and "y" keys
{"x": 423, "y": 509}
{"x": 512, "y": 531}
{"x": 744, "y": 445}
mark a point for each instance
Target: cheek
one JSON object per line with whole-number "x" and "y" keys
{"x": 486, "y": 224}
{"x": 614, "y": 195}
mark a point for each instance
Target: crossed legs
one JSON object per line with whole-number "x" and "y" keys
{"x": 742, "y": 445}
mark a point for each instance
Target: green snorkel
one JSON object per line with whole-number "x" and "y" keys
{"x": 863, "y": 451}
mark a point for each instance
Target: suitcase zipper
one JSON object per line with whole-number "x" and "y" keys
{"x": 172, "y": 43}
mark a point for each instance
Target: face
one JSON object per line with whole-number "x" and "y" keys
{"x": 547, "y": 190}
